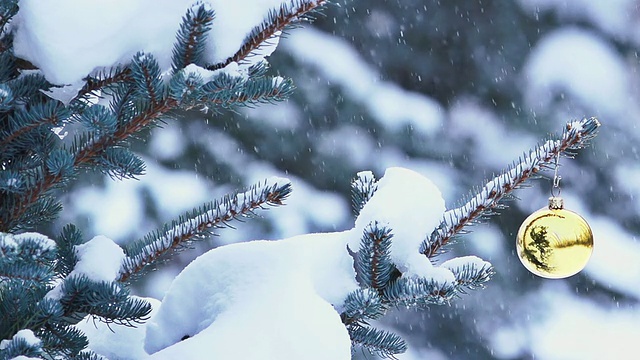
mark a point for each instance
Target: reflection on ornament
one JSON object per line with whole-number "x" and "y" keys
{"x": 553, "y": 242}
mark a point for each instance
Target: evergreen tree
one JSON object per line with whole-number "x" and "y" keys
{"x": 46, "y": 288}
{"x": 473, "y": 59}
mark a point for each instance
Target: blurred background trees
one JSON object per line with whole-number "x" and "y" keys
{"x": 455, "y": 90}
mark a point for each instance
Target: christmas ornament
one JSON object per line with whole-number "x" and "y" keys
{"x": 553, "y": 242}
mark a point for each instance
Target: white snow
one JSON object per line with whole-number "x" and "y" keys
{"x": 167, "y": 142}
{"x": 411, "y": 205}
{"x": 69, "y": 39}
{"x": 616, "y": 17}
{"x": 623, "y": 172}
{"x": 246, "y": 290}
{"x": 283, "y": 116}
{"x": 366, "y": 176}
{"x": 25, "y": 334}
{"x": 614, "y": 263}
{"x": 116, "y": 341}
{"x": 290, "y": 289}
{"x": 7, "y": 241}
{"x": 233, "y": 69}
{"x": 44, "y": 242}
{"x": 464, "y": 261}
{"x": 496, "y": 144}
{"x": 573, "y": 327}
{"x": 119, "y": 217}
{"x": 59, "y": 131}
{"x": 358, "y": 152}
{"x": 577, "y": 63}
{"x": 391, "y": 105}
{"x": 99, "y": 259}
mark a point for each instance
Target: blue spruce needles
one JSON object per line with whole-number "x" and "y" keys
{"x": 43, "y": 291}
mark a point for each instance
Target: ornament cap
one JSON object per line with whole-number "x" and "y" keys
{"x": 556, "y": 203}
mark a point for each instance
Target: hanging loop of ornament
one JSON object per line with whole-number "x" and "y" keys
{"x": 554, "y": 242}
{"x": 555, "y": 189}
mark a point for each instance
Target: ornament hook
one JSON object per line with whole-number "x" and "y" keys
{"x": 555, "y": 189}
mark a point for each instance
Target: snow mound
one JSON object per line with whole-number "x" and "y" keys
{"x": 68, "y": 39}
{"x": 99, "y": 259}
{"x": 284, "y": 297}
{"x": 411, "y": 205}
{"x": 273, "y": 295}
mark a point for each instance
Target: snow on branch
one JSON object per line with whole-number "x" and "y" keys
{"x": 140, "y": 94}
{"x": 576, "y": 135}
{"x": 200, "y": 222}
{"x": 271, "y": 27}
{"x": 23, "y": 342}
{"x": 26, "y": 257}
{"x": 470, "y": 272}
{"x": 362, "y": 189}
{"x": 103, "y": 80}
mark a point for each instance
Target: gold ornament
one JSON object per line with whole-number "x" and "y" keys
{"x": 553, "y": 242}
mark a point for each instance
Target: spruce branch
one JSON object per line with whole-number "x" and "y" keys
{"x": 121, "y": 163}
{"x": 362, "y": 189}
{"x": 373, "y": 262}
{"x": 199, "y": 223}
{"x": 470, "y": 272}
{"x": 84, "y": 156}
{"x": 412, "y": 292}
{"x": 27, "y": 89}
{"x": 147, "y": 79}
{"x": 139, "y": 100}
{"x": 103, "y": 81}
{"x": 26, "y": 257}
{"x": 22, "y": 121}
{"x": 383, "y": 343}
{"x": 8, "y": 9}
{"x": 576, "y": 135}
{"x": 191, "y": 37}
{"x": 108, "y": 300}
{"x": 225, "y": 91}
{"x": 88, "y": 355}
{"x": 60, "y": 340}
{"x": 264, "y": 90}
{"x": 99, "y": 120}
{"x": 362, "y": 305}
{"x": 69, "y": 237}
{"x": 19, "y": 346}
{"x": 276, "y": 22}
